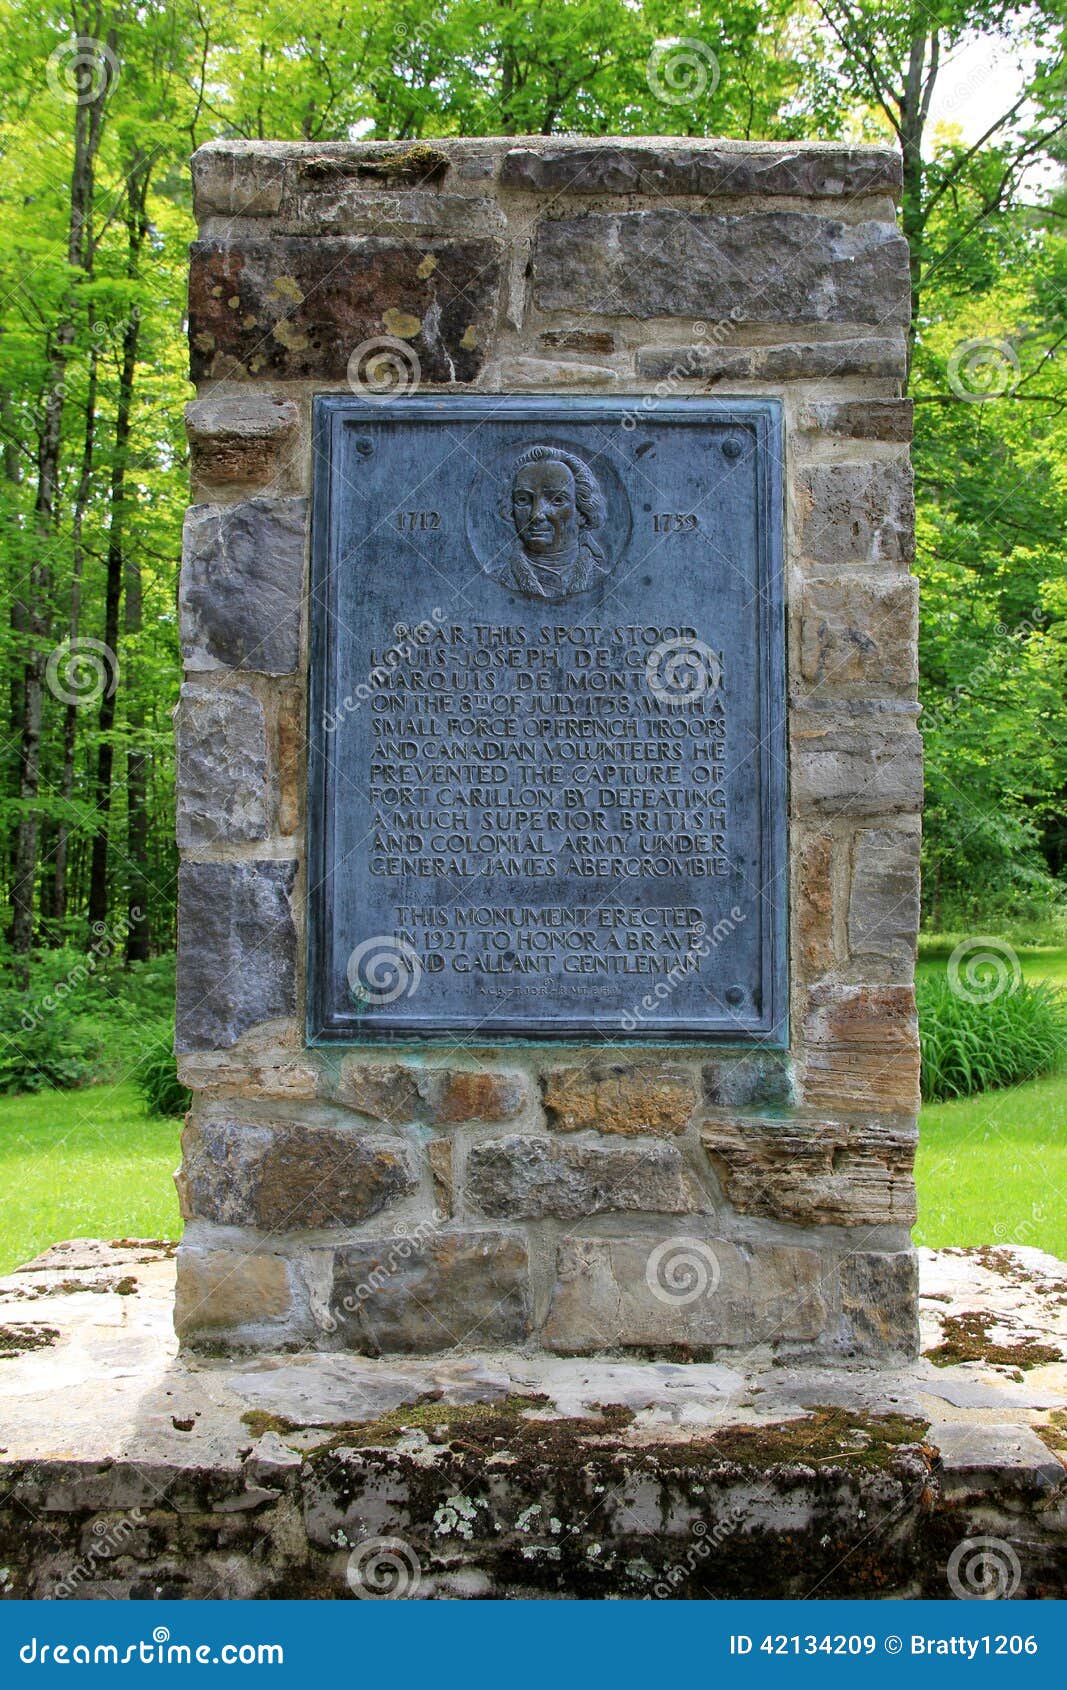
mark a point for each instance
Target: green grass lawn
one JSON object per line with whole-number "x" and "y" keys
{"x": 93, "y": 1163}
{"x": 1038, "y": 962}
{"x": 84, "y": 1164}
{"x": 992, "y": 1169}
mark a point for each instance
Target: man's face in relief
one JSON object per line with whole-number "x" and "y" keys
{"x": 543, "y": 509}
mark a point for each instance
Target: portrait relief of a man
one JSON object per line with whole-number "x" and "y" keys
{"x": 556, "y": 507}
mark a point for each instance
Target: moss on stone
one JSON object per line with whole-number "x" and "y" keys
{"x": 965, "y": 1337}
{"x": 420, "y": 163}
{"x": 16, "y": 1340}
{"x": 1054, "y": 1431}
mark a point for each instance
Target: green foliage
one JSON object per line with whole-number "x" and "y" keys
{"x": 989, "y": 235}
{"x": 970, "y": 1047}
{"x": 157, "y": 1079}
{"x": 42, "y": 1052}
{"x": 84, "y": 1018}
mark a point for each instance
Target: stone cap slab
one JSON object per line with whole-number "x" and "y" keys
{"x": 256, "y": 178}
{"x": 977, "y": 1457}
{"x": 679, "y": 165}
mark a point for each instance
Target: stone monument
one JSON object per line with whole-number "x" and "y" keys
{"x": 548, "y": 771}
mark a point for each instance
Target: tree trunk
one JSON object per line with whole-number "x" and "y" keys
{"x": 98, "y": 867}
{"x": 70, "y": 719}
{"x": 137, "y": 179}
{"x": 918, "y": 90}
{"x": 139, "y": 933}
{"x": 88, "y": 120}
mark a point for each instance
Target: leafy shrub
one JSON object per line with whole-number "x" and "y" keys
{"x": 970, "y": 1047}
{"x": 157, "y": 1078}
{"x": 42, "y": 1049}
{"x": 83, "y": 1017}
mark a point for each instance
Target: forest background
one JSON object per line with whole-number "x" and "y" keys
{"x": 101, "y": 106}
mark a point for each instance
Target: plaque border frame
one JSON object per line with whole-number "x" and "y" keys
{"x": 332, "y": 413}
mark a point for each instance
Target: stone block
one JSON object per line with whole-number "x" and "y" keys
{"x": 222, "y": 775}
{"x": 298, "y": 307}
{"x": 667, "y": 166}
{"x": 860, "y": 419}
{"x": 620, "y": 1097}
{"x": 814, "y": 1173}
{"x": 242, "y": 585}
{"x": 879, "y": 1303}
{"x": 766, "y": 267}
{"x": 277, "y": 1073}
{"x": 439, "y": 1153}
{"x": 385, "y": 1091}
{"x": 444, "y": 1097}
{"x": 452, "y": 1095}
{"x": 861, "y": 1049}
{"x": 578, "y": 340}
{"x": 883, "y": 903}
{"x": 245, "y": 441}
{"x": 284, "y": 1176}
{"x": 530, "y": 1178}
{"x": 223, "y": 1291}
{"x": 551, "y": 373}
{"x": 289, "y": 753}
{"x": 236, "y": 950}
{"x": 840, "y": 770}
{"x": 402, "y": 165}
{"x": 690, "y": 1293}
{"x": 466, "y": 1291}
{"x": 238, "y": 178}
{"x": 813, "y": 900}
{"x": 346, "y": 208}
{"x": 857, "y": 513}
{"x": 763, "y": 1080}
{"x": 884, "y": 357}
{"x": 986, "y": 1461}
{"x": 858, "y": 633}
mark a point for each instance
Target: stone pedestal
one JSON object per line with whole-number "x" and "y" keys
{"x": 696, "y": 1201}
{"x": 132, "y": 1471}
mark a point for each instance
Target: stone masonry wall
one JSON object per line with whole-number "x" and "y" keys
{"x": 606, "y": 1198}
